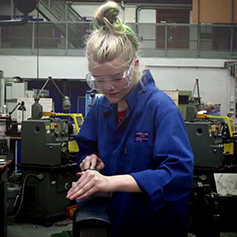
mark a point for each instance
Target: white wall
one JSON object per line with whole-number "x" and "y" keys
{"x": 58, "y": 67}
{"x": 147, "y": 16}
{"x": 215, "y": 82}
{"x": 85, "y": 9}
{"x": 89, "y": 10}
{"x": 127, "y": 15}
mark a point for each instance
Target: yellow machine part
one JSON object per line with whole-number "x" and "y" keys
{"x": 229, "y": 121}
{"x": 72, "y": 145}
{"x": 75, "y": 118}
{"x": 229, "y": 148}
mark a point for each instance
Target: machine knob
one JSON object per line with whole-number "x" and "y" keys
{"x": 67, "y": 186}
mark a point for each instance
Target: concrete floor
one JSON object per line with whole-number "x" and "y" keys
{"x": 35, "y": 230}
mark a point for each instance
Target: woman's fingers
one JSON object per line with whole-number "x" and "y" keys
{"x": 84, "y": 190}
{"x": 89, "y": 183}
{"x": 100, "y": 165}
{"x": 71, "y": 190}
{"x": 85, "y": 164}
{"x": 90, "y": 162}
{"x": 93, "y": 164}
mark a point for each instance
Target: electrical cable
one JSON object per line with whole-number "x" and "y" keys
{"x": 40, "y": 176}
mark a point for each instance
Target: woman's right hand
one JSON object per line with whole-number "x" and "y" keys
{"x": 92, "y": 162}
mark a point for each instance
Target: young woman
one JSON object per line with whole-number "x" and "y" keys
{"x": 134, "y": 136}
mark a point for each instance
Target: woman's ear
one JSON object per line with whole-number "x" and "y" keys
{"x": 136, "y": 62}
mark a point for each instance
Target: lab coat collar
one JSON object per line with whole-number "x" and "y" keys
{"x": 141, "y": 87}
{"x": 110, "y": 110}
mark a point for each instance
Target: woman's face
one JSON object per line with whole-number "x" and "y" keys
{"x": 112, "y": 79}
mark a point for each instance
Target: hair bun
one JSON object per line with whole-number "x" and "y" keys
{"x": 108, "y": 10}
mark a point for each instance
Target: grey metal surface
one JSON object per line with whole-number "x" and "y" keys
{"x": 44, "y": 200}
{"x": 41, "y": 145}
{"x": 207, "y": 154}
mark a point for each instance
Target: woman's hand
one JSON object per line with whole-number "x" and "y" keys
{"x": 92, "y": 162}
{"x": 89, "y": 182}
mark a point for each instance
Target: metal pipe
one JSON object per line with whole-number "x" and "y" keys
{"x": 136, "y": 20}
{"x": 198, "y": 31}
{"x": 2, "y": 90}
{"x": 12, "y": 9}
{"x": 198, "y": 91}
{"x": 67, "y": 29}
{"x": 33, "y": 39}
{"x": 66, "y": 38}
{"x": 232, "y": 28}
{"x": 159, "y": 6}
{"x": 165, "y": 6}
{"x": 23, "y": 21}
{"x": 230, "y": 64}
{"x": 78, "y": 102}
{"x": 65, "y": 12}
{"x": 166, "y": 39}
{"x": 57, "y": 87}
{"x": 38, "y": 96}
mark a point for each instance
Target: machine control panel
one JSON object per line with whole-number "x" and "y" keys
{"x": 44, "y": 141}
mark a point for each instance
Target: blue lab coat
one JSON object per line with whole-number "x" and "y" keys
{"x": 150, "y": 144}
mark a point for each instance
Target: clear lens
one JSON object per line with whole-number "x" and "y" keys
{"x": 91, "y": 82}
{"x": 119, "y": 81}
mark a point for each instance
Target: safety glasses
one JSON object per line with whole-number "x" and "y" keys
{"x": 118, "y": 81}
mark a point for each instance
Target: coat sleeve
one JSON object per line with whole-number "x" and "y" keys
{"x": 87, "y": 137}
{"x": 173, "y": 157}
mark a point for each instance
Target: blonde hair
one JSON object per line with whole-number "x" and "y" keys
{"x": 111, "y": 38}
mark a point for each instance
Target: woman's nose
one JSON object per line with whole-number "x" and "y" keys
{"x": 108, "y": 86}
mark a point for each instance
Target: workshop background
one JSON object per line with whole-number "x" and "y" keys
{"x": 178, "y": 45}
{"x": 190, "y": 47}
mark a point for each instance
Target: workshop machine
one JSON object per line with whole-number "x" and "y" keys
{"x": 48, "y": 165}
{"x": 213, "y": 199}
{"x": 74, "y": 122}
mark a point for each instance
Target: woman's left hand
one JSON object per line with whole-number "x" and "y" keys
{"x": 89, "y": 182}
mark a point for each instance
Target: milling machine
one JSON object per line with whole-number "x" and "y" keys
{"x": 213, "y": 199}
{"x": 48, "y": 165}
